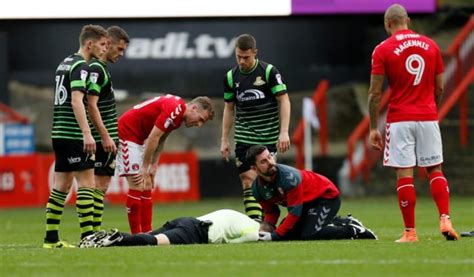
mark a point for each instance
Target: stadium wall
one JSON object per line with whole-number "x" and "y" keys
{"x": 190, "y": 56}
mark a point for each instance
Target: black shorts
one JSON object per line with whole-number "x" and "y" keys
{"x": 315, "y": 215}
{"x": 104, "y": 162}
{"x": 185, "y": 230}
{"x": 241, "y": 151}
{"x": 70, "y": 156}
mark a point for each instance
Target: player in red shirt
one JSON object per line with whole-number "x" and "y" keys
{"x": 414, "y": 69}
{"x": 312, "y": 201}
{"x": 142, "y": 134}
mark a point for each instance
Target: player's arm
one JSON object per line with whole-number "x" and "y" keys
{"x": 151, "y": 146}
{"x": 107, "y": 142}
{"x": 248, "y": 234}
{"x": 97, "y": 77}
{"x": 78, "y": 77}
{"x": 291, "y": 184}
{"x": 439, "y": 89}
{"x": 439, "y": 80}
{"x": 285, "y": 111}
{"x": 81, "y": 118}
{"x": 375, "y": 94}
{"x": 278, "y": 89}
{"x": 156, "y": 156}
{"x": 227, "y": 123}
{"x": 271, "y": 212}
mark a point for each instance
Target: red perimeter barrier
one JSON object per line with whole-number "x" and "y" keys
{"x": 25, "y": 181}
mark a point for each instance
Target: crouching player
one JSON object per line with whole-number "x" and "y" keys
{"x": 312, "y": 201}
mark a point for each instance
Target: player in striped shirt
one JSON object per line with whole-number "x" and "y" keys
{"x": 257, "y": 104}
{"x": 103, "y": 116}
{"x": 73, "y": 143}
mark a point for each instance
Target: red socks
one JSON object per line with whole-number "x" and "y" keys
{"x": 134, "y": 210}
{"x": 440, "y": 192}
{"x": 147, "y": 211}
{"x": 140, "y": 211}
{"x": 407, "y": 200}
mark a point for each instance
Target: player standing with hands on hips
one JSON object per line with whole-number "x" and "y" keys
{"x": 257, "y": 103}
{"x": 414, "y": 69}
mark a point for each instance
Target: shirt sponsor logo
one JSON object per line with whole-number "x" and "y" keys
{"x": 250, "y": 94}
{"x": 405, "y": 36}
{"x": 179, "y": 45}
{"x": 259, "y": 81}
{"x": 432, "y": 158}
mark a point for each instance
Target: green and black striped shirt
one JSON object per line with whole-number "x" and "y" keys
{"x": 257, "y": 118}
{"x": 71, "y": 75}
{"x": 100, "y": 84}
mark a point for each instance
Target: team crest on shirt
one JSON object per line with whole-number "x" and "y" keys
{"x": 84, "y": 75}
{"x": 94, "y": 77}
{"x": 259, "y": 81}
{"x": 135, "y": 166}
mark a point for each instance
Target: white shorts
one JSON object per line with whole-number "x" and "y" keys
{"x": 129, "y": 158}
{"x": 411, "y": 143}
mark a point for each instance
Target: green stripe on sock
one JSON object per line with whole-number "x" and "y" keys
{"x": 98, "y": 209}
{"x": 54, "y": 212}
{"x": 252, "y": 207}
{"x": 85, "y": 210}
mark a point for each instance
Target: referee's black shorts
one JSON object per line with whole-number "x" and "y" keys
{"x": 185, "y": 230}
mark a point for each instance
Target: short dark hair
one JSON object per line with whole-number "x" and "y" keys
{"x": 245, "y": 42}
{"x": 93, "y": 32}
{"x": 116, "y": 34}
{"x": 253, "y": 152}
{"x": 204, "y": 103}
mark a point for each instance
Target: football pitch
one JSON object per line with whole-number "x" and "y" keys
{"x": 22, "y": 231}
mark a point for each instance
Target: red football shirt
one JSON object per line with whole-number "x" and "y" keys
{"x": 410, "y": 61}
{"x": 165, "y": 112}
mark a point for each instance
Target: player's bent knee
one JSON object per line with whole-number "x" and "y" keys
{"x": 135, "y": 181}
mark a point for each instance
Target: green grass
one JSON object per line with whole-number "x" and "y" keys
{"x": 22, "y": 230}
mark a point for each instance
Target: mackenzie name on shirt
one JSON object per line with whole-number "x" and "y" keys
{"x": 410, "y": 43}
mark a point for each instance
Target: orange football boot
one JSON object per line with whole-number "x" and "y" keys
{"x": 408, "y": 236}
{"x": 446, "y": 228}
